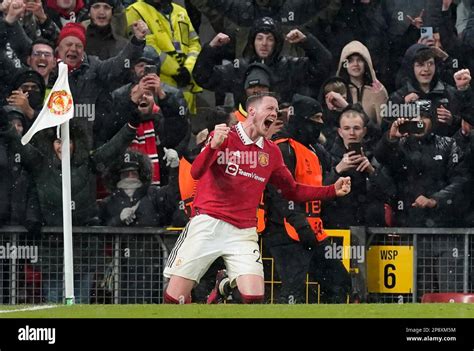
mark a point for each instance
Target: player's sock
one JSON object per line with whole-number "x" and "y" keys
{"x": 250, "y": 299}
{"x": 224, "y": 287}
{"x": 168, "y": 299}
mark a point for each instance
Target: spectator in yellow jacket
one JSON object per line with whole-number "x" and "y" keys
{"x": 174, "y": 38}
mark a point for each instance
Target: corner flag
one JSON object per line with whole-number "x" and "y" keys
{"x": 58, "y": 109}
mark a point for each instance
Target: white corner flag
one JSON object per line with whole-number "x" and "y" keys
{"x": 59, "y": 106}
{"x": 58, "y": 110}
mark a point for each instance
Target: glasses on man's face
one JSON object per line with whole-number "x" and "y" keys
{"x": 46, "y": 54}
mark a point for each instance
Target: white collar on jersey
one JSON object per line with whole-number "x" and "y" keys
{"x": 245, "y": 138}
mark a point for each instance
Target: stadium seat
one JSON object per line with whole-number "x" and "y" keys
{"x": 447, "y": 297}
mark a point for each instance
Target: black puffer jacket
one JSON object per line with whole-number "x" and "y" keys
{"x": 431, "y": 166}
{"x": 156, "y": 205}
{"x": 363, "y": 205}
{"x": 289, "y": 74}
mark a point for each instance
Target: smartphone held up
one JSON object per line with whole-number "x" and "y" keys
{"x": 412, "y": 127}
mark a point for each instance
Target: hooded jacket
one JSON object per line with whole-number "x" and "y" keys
{"x": 239, "y": 17}
{"x": 288, "y": 73}
{"x": 439, "y": 92}
{"x": 372, "y": 95}
{"x": 156, "y": 204}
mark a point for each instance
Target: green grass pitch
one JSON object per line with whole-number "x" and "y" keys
{"x": 246, "y": 311}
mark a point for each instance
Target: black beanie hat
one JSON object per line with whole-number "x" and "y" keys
{"x": 257, "y": 74}
{"x": 109, "y": 2}
{"x": 30, "y": 76}
{"x": 305, "y": 107}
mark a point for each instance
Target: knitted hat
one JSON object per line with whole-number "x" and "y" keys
{"x": 305, "y": 106}
{"x": 108, "y": 2}
{"x": 257, "y": 74}
{"x": 73, "y": 30}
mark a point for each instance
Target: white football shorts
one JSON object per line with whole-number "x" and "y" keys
{"x": 204, "y": 240}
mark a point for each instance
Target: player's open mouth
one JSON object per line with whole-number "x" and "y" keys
{"x": 268, "y": 122}
{"x": 143, "y": 104}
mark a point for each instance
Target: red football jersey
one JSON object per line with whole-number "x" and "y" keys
{"x": 233, "y": 178}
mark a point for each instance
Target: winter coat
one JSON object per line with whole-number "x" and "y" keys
{"x": 34, "y": 29}
{"x": 174, "y": 38}
{"x": 438, "y": 91}
{"x": 371, "y": 98}
{"x": 171, "y": 122}
{"x": 102, "y": 42}
{"x": 93, "y": 79}
{"x": 46, "y": 172}
{"x": 431, "y": 166}
{"x": 289, "y": 74}
{"x": 4, "y": 184}
{"x": 400, "y": 31}
{"x": 239, "y": 17}
{"x": 362, "y": 22}
{"x": 363, "y": 205}
{"x": 156, "y": 204}
{"x": 15, "y": 42}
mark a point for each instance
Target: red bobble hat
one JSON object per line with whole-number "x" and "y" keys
{"x": 73, "y": 30}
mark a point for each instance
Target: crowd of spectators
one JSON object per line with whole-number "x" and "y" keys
{"x": 137, "y": 70}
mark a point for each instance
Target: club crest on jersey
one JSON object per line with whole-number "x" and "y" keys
{"x": 263, "y": 158}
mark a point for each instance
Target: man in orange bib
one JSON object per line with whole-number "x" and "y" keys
{"x": 294, "y": 232}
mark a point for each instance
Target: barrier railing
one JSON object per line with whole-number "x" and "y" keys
{"x": 111, "y": 265}
{"x": 124, "y": 265}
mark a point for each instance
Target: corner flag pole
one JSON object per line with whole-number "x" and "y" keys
{"x": 67, "y": 215}
{"x": 58, "y": 110}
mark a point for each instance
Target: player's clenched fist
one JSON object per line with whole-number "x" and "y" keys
{"x": 220, "y": 133}
{"x": 343, "y": 186}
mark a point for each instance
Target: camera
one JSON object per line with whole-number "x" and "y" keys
{"x": 423, "y": 107}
